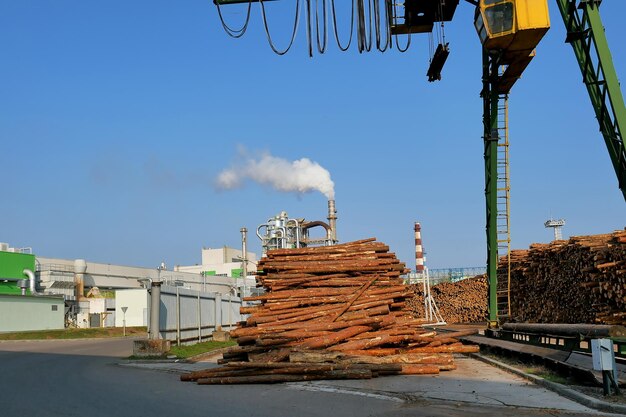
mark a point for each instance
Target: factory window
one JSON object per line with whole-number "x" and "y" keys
{"x": 55, "y": 308}
{"x": 500, "y": 18}
{"x": 480, "y": 28}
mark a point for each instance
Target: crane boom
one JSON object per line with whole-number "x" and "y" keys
{"x": 585, "y": 33}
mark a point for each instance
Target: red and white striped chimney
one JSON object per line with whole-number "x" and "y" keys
{"x": 419, "y": 252}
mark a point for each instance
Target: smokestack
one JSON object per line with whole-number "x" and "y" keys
{"x": 332, "y": 220}
{"x": 419, "y": 251}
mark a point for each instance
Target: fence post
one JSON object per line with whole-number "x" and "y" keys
{"x": 230, "y": 311}
{"x": 199, "y": 320}
{"x": 218, "y": 311}
{"x": 177, "y": 316}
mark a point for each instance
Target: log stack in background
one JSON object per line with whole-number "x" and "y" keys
{"x": 331, "y": 312}
{"x": 458, "y": 302}
{"x": 580, "y": 280}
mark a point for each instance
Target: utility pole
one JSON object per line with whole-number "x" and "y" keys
{"x": 244, "y": 258}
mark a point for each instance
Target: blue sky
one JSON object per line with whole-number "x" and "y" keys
{"x": 116, "y": 117}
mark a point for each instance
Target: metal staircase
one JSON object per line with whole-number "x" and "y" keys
{"x": 503, "y": 210}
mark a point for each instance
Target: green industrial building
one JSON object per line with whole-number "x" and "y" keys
{"x": 21, "y": 308}
{"x": 12, "y": 266}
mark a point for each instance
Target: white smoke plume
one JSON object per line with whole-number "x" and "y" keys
{"x": 302, "y": 175}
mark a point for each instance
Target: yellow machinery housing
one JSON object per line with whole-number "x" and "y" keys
{"x": 512, "y": 29}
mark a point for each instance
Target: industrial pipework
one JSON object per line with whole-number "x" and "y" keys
{"x": 32, "y": 283}
{"x": 282, "y": 232}
{"x": 80, "y": 267}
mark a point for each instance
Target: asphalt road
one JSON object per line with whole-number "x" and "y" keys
{"x": 82, "y": 378}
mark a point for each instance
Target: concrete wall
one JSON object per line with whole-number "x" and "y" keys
{"x": 22, "y": 313}
{"x": 137, "y": 311}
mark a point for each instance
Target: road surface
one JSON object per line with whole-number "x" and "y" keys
{"x": 84, "y": 378}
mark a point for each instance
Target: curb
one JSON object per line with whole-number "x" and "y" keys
{"x": 198, "y": 358}
{"x": 560, "y": 389}
{"x": 191, "y": 359}
{"x": 131, "y": 337}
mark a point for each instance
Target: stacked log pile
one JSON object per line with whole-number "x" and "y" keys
{"x": 580, "y": 280}
{"x": 333, "y": 312}
{"x": 458, "y": 302}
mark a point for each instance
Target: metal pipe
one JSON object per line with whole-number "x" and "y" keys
{"x": 22, "y": 284}
{"x": 309, "y": 225}
{"x": 31, "y": 279}
{"x": 155, "y": 304}
{"x": 297, "y": 229}
{"x": 244, "y": 256}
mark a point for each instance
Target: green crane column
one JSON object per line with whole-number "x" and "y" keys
{"x": 490, "y": 138}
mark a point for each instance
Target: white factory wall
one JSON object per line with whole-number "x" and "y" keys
{"x": 57, "y": 276}
{"x": 137, "y": 303}
{"x": 225, "y": 255}
{"x": 221, "y": 262}
{"x": 23, "y": 313}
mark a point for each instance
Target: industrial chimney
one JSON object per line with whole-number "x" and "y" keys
{"x": 332, "y": 220}
{"x": 419, "y": 251}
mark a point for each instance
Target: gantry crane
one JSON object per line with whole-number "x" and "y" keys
{"x": 509, "y": 31}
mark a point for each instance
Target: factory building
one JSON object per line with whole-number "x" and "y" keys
{"x": 38, "y": 293}
{"x": 21, "y": 306}
{"x": 221, "y": 262}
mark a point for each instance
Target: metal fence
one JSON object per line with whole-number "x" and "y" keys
{"x": 447, "y": 274}
{"x": 191, "y": 316}
{"x": 455, "y": 274}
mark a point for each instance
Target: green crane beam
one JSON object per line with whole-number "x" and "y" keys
{"x": 585, "y": 33}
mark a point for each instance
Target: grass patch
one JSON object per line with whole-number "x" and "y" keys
{"x": 97, "y": 332}
{"x": 187, "y": 351}
{"x": 532, "y": 369}
{"x": 548, "y": 375}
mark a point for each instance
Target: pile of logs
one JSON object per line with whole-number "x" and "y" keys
{"x": 331, "y": 312}
{"x": 580, "y": 280}
{"x": 458, "y": 302}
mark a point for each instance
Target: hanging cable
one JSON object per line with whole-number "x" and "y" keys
{"x": 431, "y": 46}
{"x": 373, "y": 26}
{"x": 359, "y": 25}
{"x": 293, "y": 34}
{"x": 377, "y": 26}
{"x": 321, "y": 46}
{"x": 334, "y": 12}
{"x": 443, "y": 32}
{"x": 364, "y": 31}
{"x": 235, "y": 33}
{"x": 369, "y": 42}
{"x": 309, "y": 38}
{"x": 408, "y": 42}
